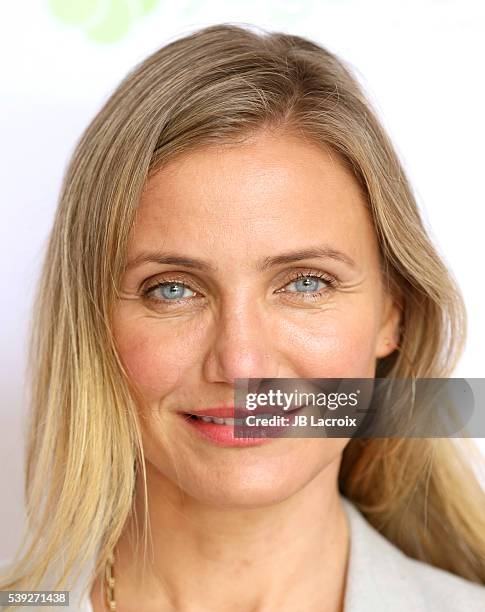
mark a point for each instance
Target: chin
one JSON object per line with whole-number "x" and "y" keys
{"x": 245, "y": 494}
{"x": 250, "y": 479}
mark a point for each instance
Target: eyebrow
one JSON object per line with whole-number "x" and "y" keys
{"x": 318, "y": 252}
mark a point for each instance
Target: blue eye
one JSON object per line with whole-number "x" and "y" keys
{"x": 170, "y": 291}
{"x": 307, "y": 284}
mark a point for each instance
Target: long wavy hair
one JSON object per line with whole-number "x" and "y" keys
{"x": 84, "y": 452}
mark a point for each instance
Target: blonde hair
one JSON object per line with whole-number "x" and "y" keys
{"x": 84, "y": 455}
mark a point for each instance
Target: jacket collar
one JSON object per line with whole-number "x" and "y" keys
{"x": 377, "y": 576}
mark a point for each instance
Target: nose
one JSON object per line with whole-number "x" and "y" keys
{"x": 242, "y": 344}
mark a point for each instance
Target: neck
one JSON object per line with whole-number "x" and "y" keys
{"x": 206, "y": 558}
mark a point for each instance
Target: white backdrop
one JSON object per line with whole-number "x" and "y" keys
{"x": 421, "y": 61}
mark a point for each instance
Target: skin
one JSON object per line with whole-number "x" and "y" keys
{"x": 269, "y": 516}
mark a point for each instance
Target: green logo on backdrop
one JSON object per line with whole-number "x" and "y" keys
{"x": 103, "y": 21}
{"x": 107, "y": 21}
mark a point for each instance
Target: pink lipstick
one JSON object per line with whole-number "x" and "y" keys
{"x": 218, "y": 425}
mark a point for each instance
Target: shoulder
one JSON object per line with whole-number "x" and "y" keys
{"x": 382, "y": 578}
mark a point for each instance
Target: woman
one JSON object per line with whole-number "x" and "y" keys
{"x": 235, "y": 211}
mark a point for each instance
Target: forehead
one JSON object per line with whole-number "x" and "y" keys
{"x": 268, "y": 191}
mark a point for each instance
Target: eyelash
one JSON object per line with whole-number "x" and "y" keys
{"x": 331, "y": 281}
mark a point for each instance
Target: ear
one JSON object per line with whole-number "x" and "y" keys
{"x": 388, "y": 335}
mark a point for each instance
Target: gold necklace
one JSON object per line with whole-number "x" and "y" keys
{"x": 110, "y": 582}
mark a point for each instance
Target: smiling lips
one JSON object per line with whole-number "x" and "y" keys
{"x": 221, "y": 412}
{"x": 219, "y": 415}
{"x": 224, "y": 413}
{"x": 217, "y": 425}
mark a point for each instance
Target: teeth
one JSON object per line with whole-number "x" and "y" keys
{"x": 220, "y": 421}
{"x": 228, "y": 420}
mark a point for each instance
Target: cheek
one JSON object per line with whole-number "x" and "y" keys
{"x": 155, "y": 362}
{"x": 337, "y": 345}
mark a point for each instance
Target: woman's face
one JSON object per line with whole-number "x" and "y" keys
{"x": 234, "y": 312}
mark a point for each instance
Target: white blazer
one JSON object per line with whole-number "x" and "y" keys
{"x": 380, "y": 578}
